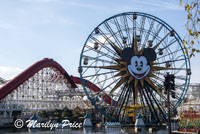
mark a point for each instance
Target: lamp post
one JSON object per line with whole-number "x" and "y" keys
{"x": 169, "y": 86}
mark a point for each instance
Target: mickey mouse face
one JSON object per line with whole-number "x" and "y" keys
{"x": 138, "y": 65}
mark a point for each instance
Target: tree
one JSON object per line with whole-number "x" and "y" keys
{"x": 192, "y": 8}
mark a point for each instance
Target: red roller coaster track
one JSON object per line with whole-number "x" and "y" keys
{"x": 29, "y": 72}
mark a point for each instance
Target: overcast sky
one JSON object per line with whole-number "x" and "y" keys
{"x": 31, "y": 30}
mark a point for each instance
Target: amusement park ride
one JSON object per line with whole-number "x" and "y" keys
{"x": 128, "y": 55}
{"x": 122, "y": 68}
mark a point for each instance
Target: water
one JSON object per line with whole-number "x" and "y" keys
{"x": 80, "y": 131}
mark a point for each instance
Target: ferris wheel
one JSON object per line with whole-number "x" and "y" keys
{"x": 127, "y": 56}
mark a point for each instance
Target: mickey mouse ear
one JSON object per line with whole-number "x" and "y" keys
{"x": 150, "y": 54}
{"x": 127, "y": 54}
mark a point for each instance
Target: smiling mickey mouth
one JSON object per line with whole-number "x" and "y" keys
{"x": 139, "y": 75}
{"x": 136, "y": 75}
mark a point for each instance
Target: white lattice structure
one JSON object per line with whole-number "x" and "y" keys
{"x": 192, "y": 98}
{"x": 48, "y": 89}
